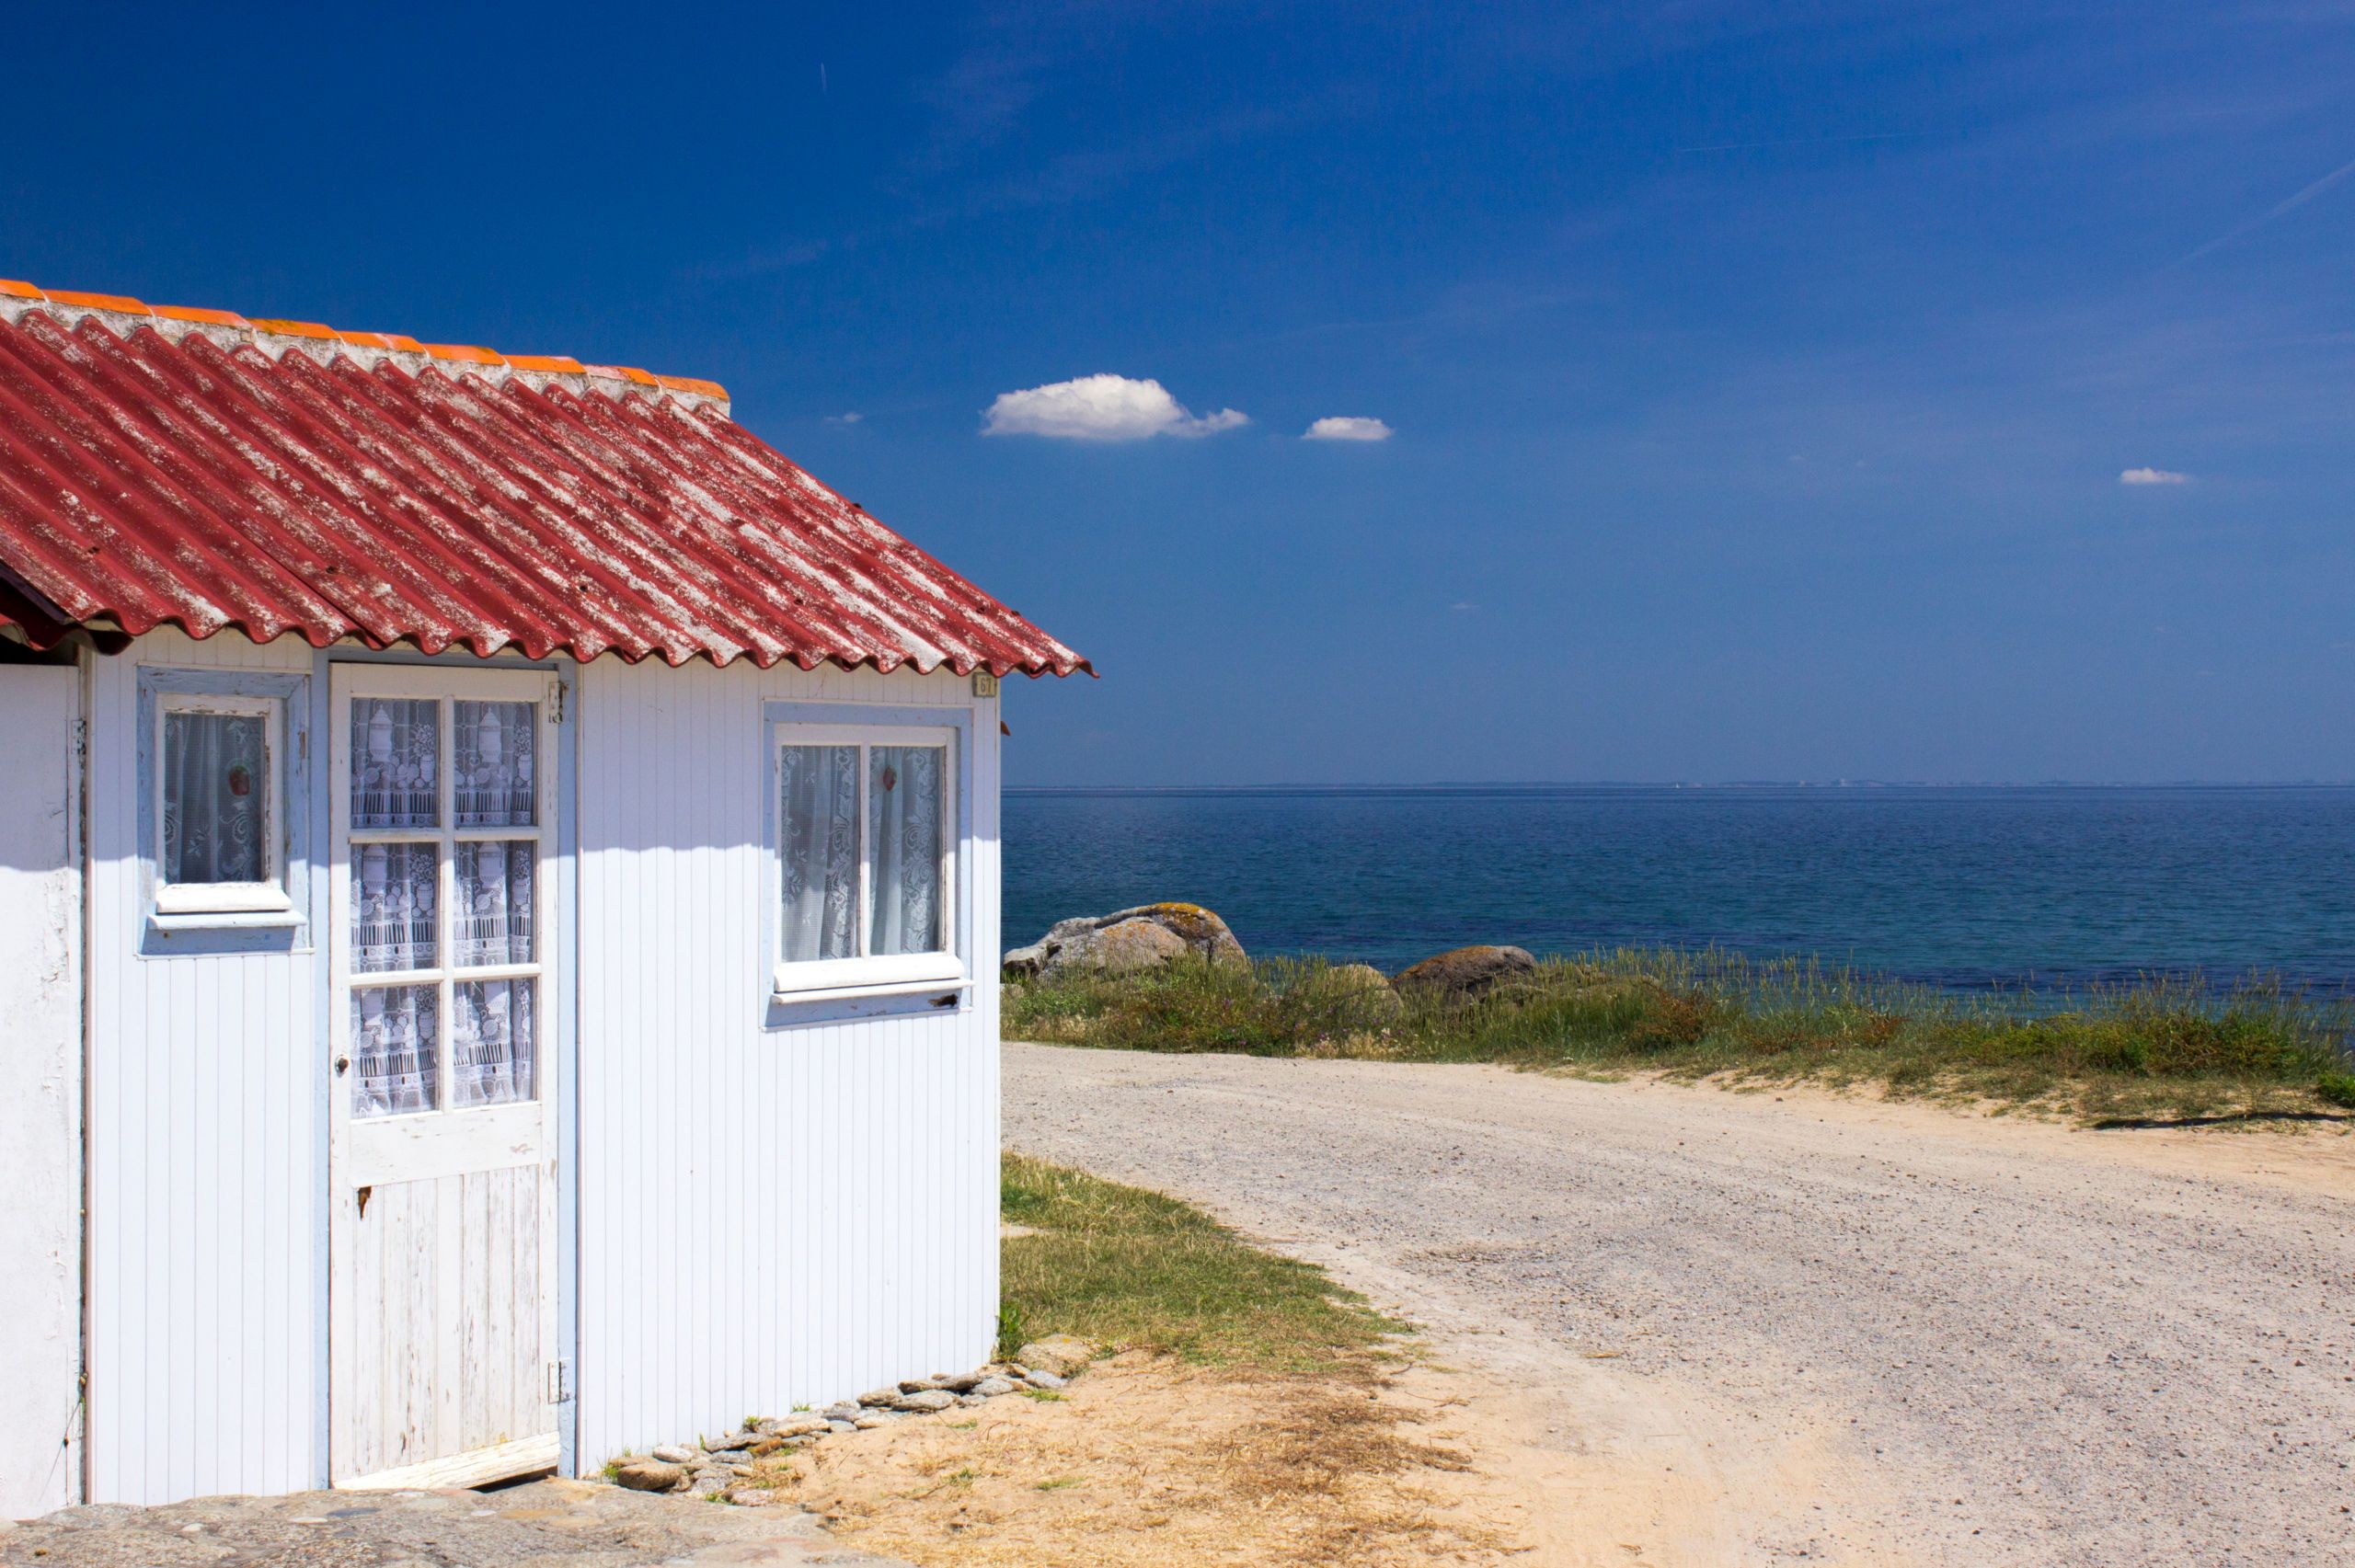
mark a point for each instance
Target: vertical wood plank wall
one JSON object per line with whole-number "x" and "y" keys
{"x": 767, "y": 1216}
{"x": 205, "y": 1178}
{"x": 40, "y": 1091}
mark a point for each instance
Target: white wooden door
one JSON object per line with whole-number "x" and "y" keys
{"x": 442, "y": 1140}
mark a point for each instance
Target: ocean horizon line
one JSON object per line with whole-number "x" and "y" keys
{"x": 1447, "y": 786}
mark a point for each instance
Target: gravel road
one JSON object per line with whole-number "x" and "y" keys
{"x": 1846, "y": 1330}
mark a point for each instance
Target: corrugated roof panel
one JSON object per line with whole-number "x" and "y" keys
{"x": 186, "y": 467}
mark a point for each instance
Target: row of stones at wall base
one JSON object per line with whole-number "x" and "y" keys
{"x": 721, "y": 1464}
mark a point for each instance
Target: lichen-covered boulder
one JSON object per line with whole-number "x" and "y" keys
{"x": 1467, "y": 971}
{"x": 1126, "y": 942}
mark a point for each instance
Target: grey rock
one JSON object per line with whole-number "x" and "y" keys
{"x": 991, "y": 1387}
{"x": 1126, "y": 942}
{"x": 924, "y": 1401}
{"x": 962, "y": 1383}
{"x": 918, "y": 1385}
{"x": 671, "y": 1454}
{"x": 872, "y": 1420}
{"x": 796, "y": 1427}
{"x": 648, "y": 1475}
{"x": 751, "y": 1497}
{"x": 973, "y": 1399}
{"x": 1039, "y": 1379}
{"x": 879, "y": 1396}
{"x": 839, "y": 1427}
{"x": 705, "y": 1480}
{"x": 1061, "y": 1353}
{"x": 843, "y": 1410}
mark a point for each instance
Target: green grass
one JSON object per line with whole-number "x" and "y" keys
{"x": 2156, "y": 1049}
{"x": 1135, "y": 1270}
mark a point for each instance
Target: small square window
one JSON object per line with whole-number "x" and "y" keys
{"x": 867, "y": 855}
{"x": 217, "y": 802}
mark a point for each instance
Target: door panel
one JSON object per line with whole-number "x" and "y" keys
{"x": 447, "y": 1343}
{"x": 443, "y": 1137}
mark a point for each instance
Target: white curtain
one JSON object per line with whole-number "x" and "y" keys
{"x": 393, "y": 1065}
{"x": 215, "y": 773}
{"x": 904, "y": 832}
{"x": 492, "y": 766}
{"x": 820, "y": 784}
{"x": 393, "y": 908}
{"x": 494, "y": 924}
{"x": 491, "y": 1051}
{"x": 395, "y": 746}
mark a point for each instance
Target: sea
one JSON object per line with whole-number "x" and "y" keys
{"x": 1962, "y": 889}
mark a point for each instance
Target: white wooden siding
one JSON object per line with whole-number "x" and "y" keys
{"x": 41, "y": 1092}
{"x": 767, "y": 1216}
{"x": 205, "y": 1163}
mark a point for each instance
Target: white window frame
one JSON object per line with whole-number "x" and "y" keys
{"x": 866, "y": 974}
{"x": 269, "y": 894}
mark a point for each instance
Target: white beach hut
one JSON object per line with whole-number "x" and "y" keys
{"x": 499, "y": 926}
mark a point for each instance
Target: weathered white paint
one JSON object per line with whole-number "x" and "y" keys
{"x": 205, "y": 1178}
{"x": 443, "y": 1279}
{"x": 40, "y": 1091}
{"x": 768, "y": 1216}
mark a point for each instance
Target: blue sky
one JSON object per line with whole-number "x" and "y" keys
{"x": 1760, "y": 378}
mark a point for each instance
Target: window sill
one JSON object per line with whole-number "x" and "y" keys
{"x": 170, "y": 920}
{"x": 957, "y": 988}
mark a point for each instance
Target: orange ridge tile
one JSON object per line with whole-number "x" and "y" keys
{"x": 16, "y": 288}
{"x": 549, "y": 364}
{"x": 293, "y": 328}
{"x": 695, "y": 385}
{"x": 122, "y": 304}
{"x": 200, "y": 315}
{"x": 464, "y": 353}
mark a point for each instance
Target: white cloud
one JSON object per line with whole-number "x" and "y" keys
{"x": 1101, "y": 408}
{"x": 2153, "y": 476}
{"x": 853, "y": 417}
{"x": 1344, "y": 428}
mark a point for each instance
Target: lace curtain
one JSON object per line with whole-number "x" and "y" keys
{"x": 492, "y": 1054}
{"x": 821, "y": 851}
{"x": 395, "y": 746}
{"x": 393, "y": 1045}
{"x": 903, "y": 830}
{"x": 393, "y": 908}
{"x": 493, "y": 744}
{"x": 215, "y": 775}
{"x": 494, "y": 910}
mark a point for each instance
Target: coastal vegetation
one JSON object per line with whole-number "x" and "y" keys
{"x": 2161, "y": 1047}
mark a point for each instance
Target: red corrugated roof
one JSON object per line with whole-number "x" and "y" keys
{"x": 182, "y": 467}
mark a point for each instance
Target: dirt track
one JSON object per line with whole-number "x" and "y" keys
{"x": 1712, "y": 1327}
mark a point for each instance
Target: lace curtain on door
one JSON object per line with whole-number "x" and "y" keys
{"x": 494, "y": 924}
{"x": 213, "y": 777}
{"x": 820, "y": 784}
{"x": 904, "y": 833}
{"x": 491, "y": 1045}
{"x": 393, "y": 1045}
{"x": 393, "y": 898}
{"x": 395, "y": 746}
{"x": 492, "y": 763}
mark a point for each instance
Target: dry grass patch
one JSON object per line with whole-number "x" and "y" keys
{"x": 1249, "y": 1414}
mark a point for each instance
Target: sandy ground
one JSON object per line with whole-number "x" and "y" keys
{"x": 1148, "y": 1464}
{"x": 1694, "y": 1326}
